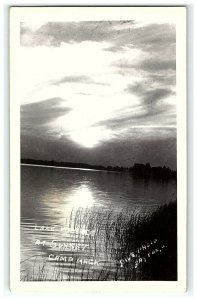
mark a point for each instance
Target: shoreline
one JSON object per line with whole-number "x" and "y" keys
{"x": 70, "y": 168}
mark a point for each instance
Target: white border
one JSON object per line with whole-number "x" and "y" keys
{"x": 54, "y": 14}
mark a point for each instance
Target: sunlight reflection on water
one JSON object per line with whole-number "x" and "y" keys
{"x": 82, "y": 197}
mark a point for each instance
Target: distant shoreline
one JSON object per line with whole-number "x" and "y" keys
{"x": 70, "y": 168}
{"x": 137, "y": 170}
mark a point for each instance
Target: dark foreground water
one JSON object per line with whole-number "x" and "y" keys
{"x": 53, "y": 245}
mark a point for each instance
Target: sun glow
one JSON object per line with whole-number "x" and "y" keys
{"x": 86, "y": 123}
{"x": 90, "y": 137}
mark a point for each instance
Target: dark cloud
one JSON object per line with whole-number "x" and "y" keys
{"x": 163, "y": 79}
{"x": 54, "y": 33}
{"x": 155, "y": 37}
{"x": 121, "y": 34}
{"x": 150, "y": 110}
{"x": 153, "y": 106}
{"x": 142, "y": 116}
{"x": 158, "y": 65}
{"x": 36, "y": 116}
{"x": 153, "y": 65}
{"x": 149, "y": 95}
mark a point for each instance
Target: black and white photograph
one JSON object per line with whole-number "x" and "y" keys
{"x": 97, "y": 116}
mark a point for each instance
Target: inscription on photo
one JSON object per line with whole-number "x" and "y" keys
{"x": 137, "y": 257}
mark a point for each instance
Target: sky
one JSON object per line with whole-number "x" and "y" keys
{"x": 98, "y": 92}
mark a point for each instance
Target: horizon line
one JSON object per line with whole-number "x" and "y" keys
{"x": 91, "y": 165}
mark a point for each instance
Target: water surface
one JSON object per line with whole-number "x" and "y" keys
{"x": 49, "y": 196}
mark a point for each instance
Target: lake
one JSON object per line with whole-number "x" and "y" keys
{"x": 50, "y": 199}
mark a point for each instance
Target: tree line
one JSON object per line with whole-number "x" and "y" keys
{"x": 137, "y": 170}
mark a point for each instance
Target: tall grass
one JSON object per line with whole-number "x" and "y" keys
{"x": 125, "y": 246}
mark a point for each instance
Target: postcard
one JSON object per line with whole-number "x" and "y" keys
{"x": 98, "y": 149}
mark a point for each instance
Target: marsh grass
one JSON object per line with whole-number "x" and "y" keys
{"x": 128, "y": 245}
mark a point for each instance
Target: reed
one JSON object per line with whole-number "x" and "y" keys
{"x": 126, "y": 245}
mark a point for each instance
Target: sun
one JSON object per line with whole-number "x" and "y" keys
{"x": 90, "y": 137}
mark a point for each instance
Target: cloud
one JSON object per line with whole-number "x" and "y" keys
{"x": 35, "y": 117}
{"x": 148, "y": 94}
{"x": 55, "y": 33}
{"x": 76, "y": 79}
{"x": 155, "y": 37}
{"x": 121, "y": 34}
{"x": 156, "y": 62}
{"x": 153, "y": 103}
{"x": 163, "y": 80}
{"x": 149, "y": 65}
{"x": 152, "y": 113}
{"x": 158, "y": 65}
{"x": 159, "y": 119}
